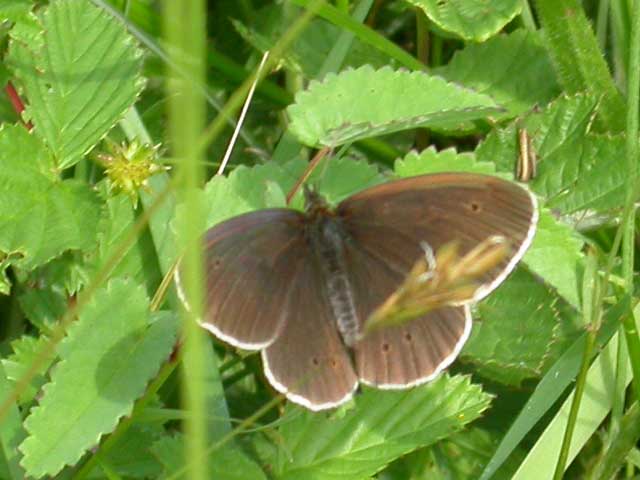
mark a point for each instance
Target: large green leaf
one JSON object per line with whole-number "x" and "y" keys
{"x": 492, "y": 67}
{"x": 40, "y": 215}
{"x": 361, "y": 103}
{"x": 517, "y": 330}
{"x": 384, "y": 425}
{"x": 108, "y": 357}
{"x": 556, "y": 256}
{"x": 80, "y": 80}
{"x": 474, "y": 20}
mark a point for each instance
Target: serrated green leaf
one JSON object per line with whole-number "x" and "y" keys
{"x": 474, "y": 20}
{"x": 591, "y": 174}
{"x": 517, "y": 324}
{"x": 225, "y": 463}
{"x": 432, "y": 161}
{"x": 247, "y": 189}
{"x": 382, "y": 427}
{"x": 492, "y": 68}
{"x": 565, "y": 120}
{"x": 108, "y": 357}
{"x": 340, "y": 177}
{"x": 361, "y": 103}
{"x": 25, "y": 351}
{"x": 115, "y": 225}
{"x": 556, "y": 256}
{"x": 576, "y": 170}
{"x": 45, "y": 292}
{"x": 80, "y": 81}
{"x": 40, "y": 215}
{"x": 11, "y": 433}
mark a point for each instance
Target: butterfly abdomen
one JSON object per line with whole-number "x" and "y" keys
{"x": 328, "y": 245}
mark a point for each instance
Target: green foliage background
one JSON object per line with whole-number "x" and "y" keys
{"x": 91, "y": 341}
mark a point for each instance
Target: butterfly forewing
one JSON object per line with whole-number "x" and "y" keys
{"x": 250, "y": 265}
{"x": 438, "y": 209}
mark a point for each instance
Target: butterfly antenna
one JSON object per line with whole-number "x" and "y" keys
{"x": 307, "y": 172}
{"x": 243, "y": 114}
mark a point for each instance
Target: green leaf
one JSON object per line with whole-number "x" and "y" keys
{"x": 367, "y": 35}
{"x": 460, "y": 456}
{"x": 11, "y": 433}
{"x": 225, "y": 463}
{"x": 14, "y": 10}
{"x": 16, "y": 365}
{"x": 80, "y": 81}
{"x": 576, "y": 170}
{"x": 340, "y": 177}
{"x": 513, "y": 69}
{"x": 588, "y": 174}
{"x": 556, "y": 256}
{"x": 474, "y": 20}
{"x": 247, "y": 189}
{"x": 432, "y": 161}
{"x": 309, "y": 52}
{"x": 357, "y": 443}
{"x": 563, "y": 121}
{"x": 108, "y": 357}
{"x": 44, "y": 293}
{"x": 132, "y": 456}
{"x": 40, "y": 215}
{"x": 357, "y": 104}
{"x": 516, "y": 327}
{"x": 117, "y": 219}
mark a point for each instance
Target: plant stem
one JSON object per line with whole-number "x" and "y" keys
{"x": 591, "y": 311}
{"x": 628, "y": 240}
{"x": 185, "y": 31}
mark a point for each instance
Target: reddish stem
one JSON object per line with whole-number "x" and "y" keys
{"x": 17, "y": 103}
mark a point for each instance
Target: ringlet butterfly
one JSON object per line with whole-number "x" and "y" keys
{"x": 299, "y": 285}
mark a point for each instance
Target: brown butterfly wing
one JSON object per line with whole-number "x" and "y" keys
{"x": 439, "y": 209}
{"x": 250, "y": 269}
{"x": 386, "y": 224}
{"x": 308, "y": 361}
{"x": 409, "y": 354}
